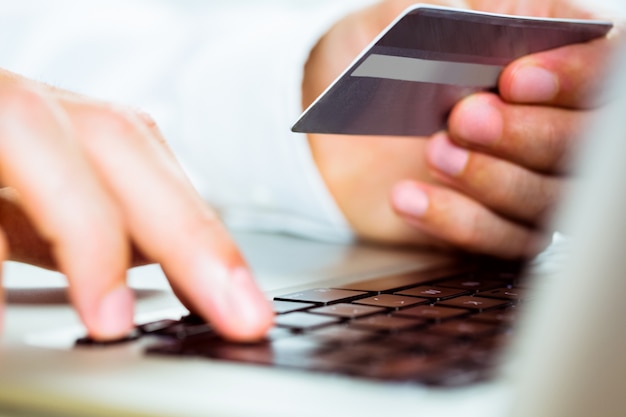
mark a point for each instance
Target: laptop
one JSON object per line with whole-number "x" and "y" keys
{"x": 556, "y": 325}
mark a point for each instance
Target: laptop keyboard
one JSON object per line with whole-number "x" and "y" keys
{"x": 444, "y": 327}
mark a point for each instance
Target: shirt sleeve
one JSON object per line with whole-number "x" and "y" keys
{"x": 222, "y": 80}
{"x": 240, "y": 98}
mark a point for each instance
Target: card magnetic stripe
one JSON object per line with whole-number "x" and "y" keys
{"x": 428, "y": 71}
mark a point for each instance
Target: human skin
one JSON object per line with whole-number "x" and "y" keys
{"x": 90, "y": 189}
{"x": 490, "y": 181}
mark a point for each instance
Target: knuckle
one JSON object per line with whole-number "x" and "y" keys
{"x": 105, "y": 122}
{"x": 470, "y": 237}
{"x": 554, "y": 150}
{"x": 519, "y": 193}
{"x": 151, "y": 126}
{"x": 20, "y": 102}
{"x": 190, "y": 220}
{"x": 496, "y": 187}
{"x": 146, "y": 119}
{"x": 493, "y": 239}
{"x": 528, "y": 197}
{"x": 204, "y": 227}
{"x": 548, "y": 193}
{"x": 108, "y": 122}
{"x": 138, "y": 116}
{"x": 200, "y": 223}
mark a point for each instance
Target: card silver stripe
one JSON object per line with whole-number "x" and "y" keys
{"x": 428, "y": 71}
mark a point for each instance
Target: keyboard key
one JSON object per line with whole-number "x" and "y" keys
{"x": 157, "y": 326}
{"x": 342, "y": 335}
{"x": 513, "y": 294}
{"x": 385, "y": 323}
{"x": 391, "y": 301}
{"x": 434, "y": 293}
{"x": 505, "y": 277}
{"x": 184, "y": 327}
{"x": 275, "y": 333}
{"x": 366, "y": 352}
{"x": 177, "y": 330}
{"x": 88, "y": 341}
{"x": 192, "y": 318}
{"x": 297, "y": 352}
{"x": 297, "y": 346}
{"x": 502, "y": 317}
{"x": 261, "y": 353}
{"x": 463, "y": 328}
{"x": 398, "y": 282}
{"x": 218, "y": 348}
{"x": 492, "y": 345}
{"x": 473, "y": 303}
{"x": 302, "y": 321}
{"x": 322, "y": 296}
{"x": 430, "y": 312}
{"x": 471, "y": 283}
{"x": 282, "y": 307}
{"x": 455, "y": 374}
{"x": 403, "y": 367}
{"x": 348, "y": 311}
{"x": 417, "y": 341}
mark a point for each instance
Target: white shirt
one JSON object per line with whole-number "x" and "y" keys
{"x": 221, "y": 78}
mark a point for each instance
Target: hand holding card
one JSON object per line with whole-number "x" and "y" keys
{"x": 409, "y": 78}
{"x": 451, "y": 190}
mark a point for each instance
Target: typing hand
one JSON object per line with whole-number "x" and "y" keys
{"x": 91, "y": 189}
{"x": 487, "y": 184}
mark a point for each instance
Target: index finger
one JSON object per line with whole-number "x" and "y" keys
{"x": 171, "y": 224}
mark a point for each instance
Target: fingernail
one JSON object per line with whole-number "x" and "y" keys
{"x": 115, "y": 314}
{"x": 253, "y": 309}
{"x": 244, "y": 306}
{"x": 410, "y": 199}
{"x": 478, "y": 121}
{"x": 447, "y": 157}
{"x": 532, "y": 84}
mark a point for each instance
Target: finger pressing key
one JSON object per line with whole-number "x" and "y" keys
{"x": 171, "y": 224}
